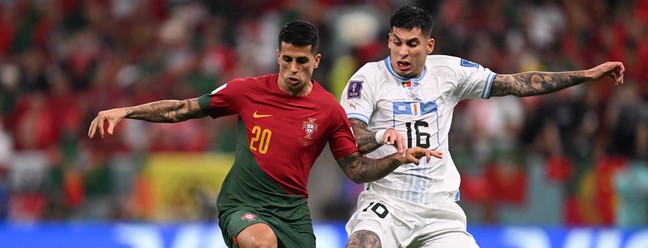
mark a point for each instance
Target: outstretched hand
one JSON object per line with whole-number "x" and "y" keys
{"x": 415, "y": 153}
{"x": 113, "y": 116}
{"x": 612, "y": 69}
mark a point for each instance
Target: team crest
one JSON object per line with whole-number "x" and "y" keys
{"x": 416, "y": 109}
{"x": 249, "y": 217}
{"x": 309, "y": 127}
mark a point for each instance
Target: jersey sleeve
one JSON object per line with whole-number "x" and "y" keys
{"x": 471, "y": 79}
{"x": 358, "y": 96}
{"x": 342, "y": 142}
{"x": 222, "y": 101}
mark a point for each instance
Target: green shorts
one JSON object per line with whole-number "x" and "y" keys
{"x": 289, "y": 235}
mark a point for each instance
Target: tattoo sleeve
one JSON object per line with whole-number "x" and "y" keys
{"x": 535, "y": 83}
{"x": 361, "y": 169}
{"x": 366, "y": 139}
{"x": 166, "y": 111}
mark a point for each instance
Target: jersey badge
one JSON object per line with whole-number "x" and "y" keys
{"x": 468, "y": 63}
{"x": 407, "y": 84}
{"x": 309, "y": 127}
{"x": 249, "y": 217}
{"x": 355, "y": 89}
{"x": 416, "y": 109}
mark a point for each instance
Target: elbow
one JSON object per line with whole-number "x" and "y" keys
{"x": 357, "y": 178}
{"x": 364, "y": 178}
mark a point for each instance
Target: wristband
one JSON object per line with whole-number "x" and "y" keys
{"x": 380, "y": 136}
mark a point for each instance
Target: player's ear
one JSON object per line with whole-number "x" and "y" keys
{"x": 389, "y": 40}
{"x": 430, "y": 46}
{"x": 317, "y": 60}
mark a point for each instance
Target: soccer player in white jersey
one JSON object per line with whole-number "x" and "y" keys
{"x": 407, "y": 100}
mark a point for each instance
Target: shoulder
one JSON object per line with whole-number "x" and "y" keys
{"x": 251, "y": 83}
{"x": 450, "y": 61}
{"x": 239, "y": 87}
{"x": 372, "y": 67}
{"x": 323, "y": 97}
{"x": 254, "y": 80}
{"x": 450, "y": 66}
{"x": 371, "y": 73}
{"x": 443, "y": 60}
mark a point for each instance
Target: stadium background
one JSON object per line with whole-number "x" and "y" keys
{"x": 563, "y": 170}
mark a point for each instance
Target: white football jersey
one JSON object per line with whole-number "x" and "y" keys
{"x": 421, "y": 110}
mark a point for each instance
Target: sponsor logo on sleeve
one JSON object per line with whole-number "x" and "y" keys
{"x": 355, "y": 89}
{"x": 467, "y": 63}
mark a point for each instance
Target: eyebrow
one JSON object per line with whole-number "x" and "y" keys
{"x": 407, "y": 41}
{"x": 299, "y": 56}
{"x": 296, "y": 58}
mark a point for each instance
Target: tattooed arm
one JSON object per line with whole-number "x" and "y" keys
{"x": 361, "y": 169}
{"x": 364, "y": 238}
{"x": 166, "y": 111}
{"x": 367, "y": 141}
{"x": 539, "y": 83}
{"x": 161, "y": 111}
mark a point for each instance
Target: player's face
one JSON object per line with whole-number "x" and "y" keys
{"x": 296, "y": 65}
{"x": 409, "y": 50}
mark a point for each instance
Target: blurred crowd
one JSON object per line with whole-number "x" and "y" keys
{"x": 576, "y": 157}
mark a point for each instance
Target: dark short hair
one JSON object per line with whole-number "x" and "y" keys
{"x": 301, "y": 34}
{"x": 410, "y": 17}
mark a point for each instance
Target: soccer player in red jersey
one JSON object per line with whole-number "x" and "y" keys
{"x": 285, "y": 121}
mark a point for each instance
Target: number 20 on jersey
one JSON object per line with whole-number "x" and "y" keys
{"x": 260, "y": 139}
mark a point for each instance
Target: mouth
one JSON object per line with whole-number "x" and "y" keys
{"x": 403, "y": 65}
{"x": 293, "y": 80}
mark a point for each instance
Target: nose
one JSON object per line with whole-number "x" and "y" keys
{"x": 403, "y": 52}
{"x": 294, "y": 67}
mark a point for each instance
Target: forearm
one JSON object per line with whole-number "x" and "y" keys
{"x": 361, "y": 169}
{"x": 166, "y": 111}
{"x": 366, "y": 139}
{"x": 536, "y": 83}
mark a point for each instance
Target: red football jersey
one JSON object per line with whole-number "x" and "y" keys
{"x": 285, "y": 134}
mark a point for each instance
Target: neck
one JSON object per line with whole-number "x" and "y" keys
{"x": 295, "y": 91}
{"x": 405, "y": 78}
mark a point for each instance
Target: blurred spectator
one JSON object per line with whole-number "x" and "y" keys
{"x": 631, "y": 185}
{"x": 33, "y": 123}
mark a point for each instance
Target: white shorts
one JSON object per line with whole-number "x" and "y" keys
{"x": 399, "y": 223}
